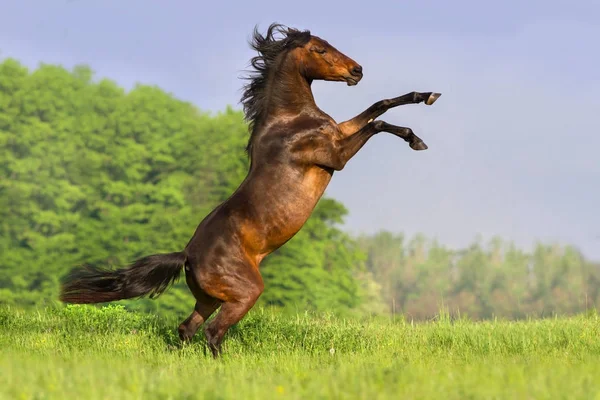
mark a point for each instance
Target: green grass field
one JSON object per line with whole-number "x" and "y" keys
{"x": 89, "y": 353}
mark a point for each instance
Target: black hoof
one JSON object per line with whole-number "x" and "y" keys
{"x": 418, "y": 145}
{"x": 432, "y": 98}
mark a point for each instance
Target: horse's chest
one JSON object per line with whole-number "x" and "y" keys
{"x": 314, "y": 182}
{"x": 301, "y": 200}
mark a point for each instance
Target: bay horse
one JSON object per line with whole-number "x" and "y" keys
{"x": 294, "y": 149}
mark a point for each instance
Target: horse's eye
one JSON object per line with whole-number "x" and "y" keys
{"x": 319, "y": 50}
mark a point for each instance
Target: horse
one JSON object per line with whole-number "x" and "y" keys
{"x": 294, "y": 148}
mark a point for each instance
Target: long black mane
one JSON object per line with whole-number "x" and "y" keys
{"x": 268, "y": 48}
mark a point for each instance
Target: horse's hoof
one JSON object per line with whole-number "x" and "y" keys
{"x": 418, "y": 145}
{"x": 432, "y": 98}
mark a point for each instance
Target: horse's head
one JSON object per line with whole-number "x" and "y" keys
{"x": 321, "y": 61}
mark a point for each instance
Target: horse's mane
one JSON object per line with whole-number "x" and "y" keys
{"x": 268, "y": 48}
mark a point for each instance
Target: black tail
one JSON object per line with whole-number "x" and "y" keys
{"x": 150, "y": 275}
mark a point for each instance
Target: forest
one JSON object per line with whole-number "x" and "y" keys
{"x": 92, "y": 173}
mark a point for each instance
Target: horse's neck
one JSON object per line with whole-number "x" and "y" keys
{"x": 288, "y": 94}
{"x": 291, "y": 94}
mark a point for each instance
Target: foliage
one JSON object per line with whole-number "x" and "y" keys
{"x": 92, "y": 174}
{"x": 498, "y": 280}
{"x": 86, "y": 352}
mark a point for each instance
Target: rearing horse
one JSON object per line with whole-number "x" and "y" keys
{"x": 294, "y": 149}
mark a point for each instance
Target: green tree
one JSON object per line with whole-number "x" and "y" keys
{"x": 94, "y": 174}
{"x": 419, "y": 276}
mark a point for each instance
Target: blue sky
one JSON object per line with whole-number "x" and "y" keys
{"x": 514, "y": 141}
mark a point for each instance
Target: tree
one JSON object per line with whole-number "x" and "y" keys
{"x": 97, "y": 175}
{"x": 419, "y": 277}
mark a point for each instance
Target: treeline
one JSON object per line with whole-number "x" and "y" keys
{"x": 419, "y": 277}
{"x": 93, "y": 174}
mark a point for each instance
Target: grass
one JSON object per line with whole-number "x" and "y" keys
{"x": 83, "y": 352}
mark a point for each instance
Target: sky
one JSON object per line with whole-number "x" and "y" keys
{"x": 514, "y": 141}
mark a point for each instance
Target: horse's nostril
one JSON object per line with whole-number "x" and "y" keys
{"x": 357, "y": 70}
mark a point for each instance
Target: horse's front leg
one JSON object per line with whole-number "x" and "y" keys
{"x": 377, "y": 109}
{"x": 350, "y": 145}
{"x": 319, "y": 149}
{"x": 415, "y": 142}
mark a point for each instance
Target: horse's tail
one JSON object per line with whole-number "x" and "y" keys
{"x": 150, "y": 275}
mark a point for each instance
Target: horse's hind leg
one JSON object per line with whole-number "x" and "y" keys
{"x": 202, "y": 311}
{"x": 241, "y": 297}
{"x": 205, "y": 306}
{"x": 229, "y": 314}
